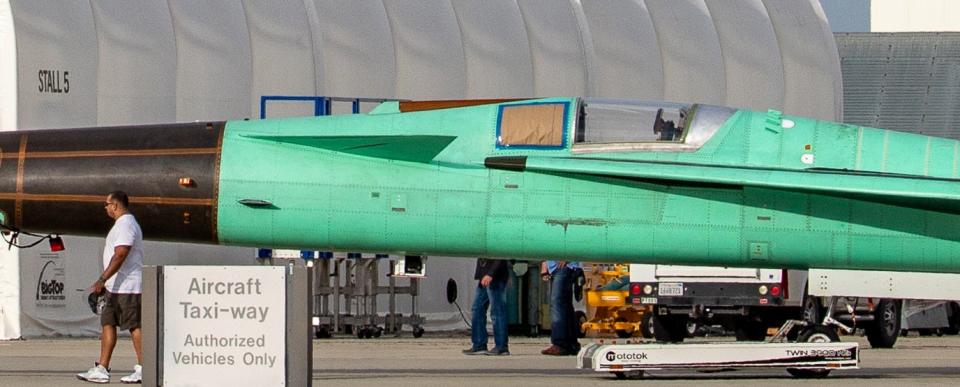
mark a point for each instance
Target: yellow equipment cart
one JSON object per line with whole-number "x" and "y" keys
{"x": 605, "y": 291}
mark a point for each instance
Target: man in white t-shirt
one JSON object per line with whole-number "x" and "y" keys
{"x": 121, "y": 280}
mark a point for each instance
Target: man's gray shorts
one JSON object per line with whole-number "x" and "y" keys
{"x": 121, "y": 310}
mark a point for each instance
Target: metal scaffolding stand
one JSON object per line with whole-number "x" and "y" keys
{"x": 345, "y": 297}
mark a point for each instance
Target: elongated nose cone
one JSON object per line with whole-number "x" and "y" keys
{"x": 56, "y": 181}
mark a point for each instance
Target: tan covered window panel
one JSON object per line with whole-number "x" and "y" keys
{"x": 537, "y": 125}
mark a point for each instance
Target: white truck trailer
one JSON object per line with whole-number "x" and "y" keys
{"x": 749, "y": 301}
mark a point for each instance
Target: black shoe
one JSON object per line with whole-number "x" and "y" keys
{"x": 497, "y": 352}
{"x": 475, "y": 351}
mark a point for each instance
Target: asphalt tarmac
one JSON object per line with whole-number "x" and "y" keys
{"x": 437, "y": 361}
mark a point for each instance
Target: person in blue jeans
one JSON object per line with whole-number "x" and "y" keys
{"x": 492, "y": 276}
{"x": 564, "y": 327}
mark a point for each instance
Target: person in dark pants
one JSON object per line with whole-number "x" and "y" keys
{"x": 492, "y": 278}
{"x": 564, "y": 327}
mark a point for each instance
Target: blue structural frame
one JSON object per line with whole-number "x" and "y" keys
{"x": 322, "y": 105}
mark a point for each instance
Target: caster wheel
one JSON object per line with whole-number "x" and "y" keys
{"x": 815, "y": 334}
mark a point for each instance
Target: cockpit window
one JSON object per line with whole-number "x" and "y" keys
{"x": 537, "y": 125}
{"x": 615, "y": 121}
{"x": 612, "y": 125}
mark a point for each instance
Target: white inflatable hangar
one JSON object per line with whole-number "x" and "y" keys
{"x": 75, "y": 63}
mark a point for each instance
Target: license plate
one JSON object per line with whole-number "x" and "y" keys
{"x": 671, "y": 289}
{"x": 648, "y": 300}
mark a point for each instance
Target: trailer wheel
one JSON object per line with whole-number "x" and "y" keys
{"x": 418, "y": 332}
{"x": 818, "y": 334}
{"x": 815, "y": 334}
{"x": 886, "y": 324}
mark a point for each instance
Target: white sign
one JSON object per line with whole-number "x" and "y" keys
{"x": 50, "y": 291}
{"x": 223, "y": 325}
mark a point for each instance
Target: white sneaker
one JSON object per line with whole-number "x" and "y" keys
{"x": 135, "y": 377}
{"x": 97, "y": 374}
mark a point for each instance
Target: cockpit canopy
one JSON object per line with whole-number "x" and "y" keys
{"x": 615, "y": 123}
{"x": 609, "y": 125}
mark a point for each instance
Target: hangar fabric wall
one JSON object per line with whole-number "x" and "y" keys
{"x": 105, "y": 62}
{"x": 906, "y": 81}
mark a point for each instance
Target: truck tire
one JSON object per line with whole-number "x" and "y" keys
{"x": 646, "y": 326}
{"x": 885, "y": 329}
{"x": 669, "y": 329}
{"x": 812, "y": 310}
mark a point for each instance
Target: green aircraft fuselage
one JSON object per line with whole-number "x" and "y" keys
{"x": 554, "y": 178}
{"x": 755, "y": 193}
